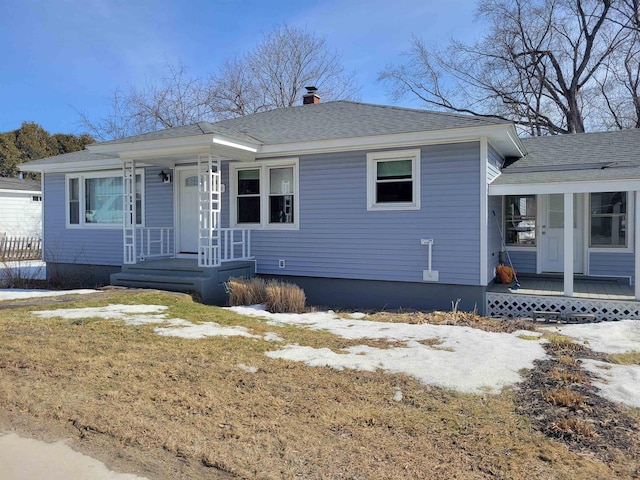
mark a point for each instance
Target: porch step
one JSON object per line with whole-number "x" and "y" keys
{"x": 178, "y": 275}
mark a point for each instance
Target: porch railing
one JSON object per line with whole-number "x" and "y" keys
{"x": 235, "y": 244}
{"x": 154, "y": 242}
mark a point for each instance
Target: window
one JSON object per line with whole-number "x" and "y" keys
{"x": 393, "y": 180}
{"x": 608, "y": 219}
{"x": 520, "y": 220}
{"x": 265, "y": 195}
{"x": 96, "y": 199}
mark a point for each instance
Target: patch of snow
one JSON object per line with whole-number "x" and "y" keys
{"x": 20, "y": 293}
{"x": 397, "y": 397}
{"x": 132, "y": 313}
{"x": 620, "y": 383}
{"x": 272, "y": 337}
{"x": 606, "y": 337}
{"x": 357, "y": 315}
{"x": 202, "y": 330}
{"x": 247, "y": 368}
{"x": 466, "y": 359}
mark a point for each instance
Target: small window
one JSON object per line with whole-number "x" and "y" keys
{"x": 393, "y": 180}
{"x": 520, "y": 220}
{"x": 608, "y": 219}
{"x": 36, "y": 198}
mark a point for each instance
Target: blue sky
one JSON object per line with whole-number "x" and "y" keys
{"x": 62, "y": 57}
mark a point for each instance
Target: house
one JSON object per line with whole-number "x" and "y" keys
{"x": 361, "y": 205}
{"x": 20, "y": 207}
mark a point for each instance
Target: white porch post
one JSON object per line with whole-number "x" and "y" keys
{"x": 636, "y": 245}
{"x": 568, "y": 244}
{"x": 129, "y": 211}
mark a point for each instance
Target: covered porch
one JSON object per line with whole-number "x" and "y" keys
{"x": 187, "y": 171}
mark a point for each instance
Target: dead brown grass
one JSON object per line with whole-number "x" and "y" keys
{"x": 629, "y": 358}
{"x": 278, "y": 296}
{"x": 159, "y": 398}
{"x": 246, "y": 291}
{"x": 283, "y": 297}
{"x": 565, "y": 376}
{"x": 574, "y": 427}
{"x": 564, "y": 397}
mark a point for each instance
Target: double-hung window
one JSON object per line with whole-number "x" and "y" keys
{"x": 95, "y": 199}
{"x": 608, "y": 218}
{"x": 265, "y": 194}
{"x": 520, "y": 220}
{"x": 393, "y": 180}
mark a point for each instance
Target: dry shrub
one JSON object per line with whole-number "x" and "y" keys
{"x": 285, "y": 297}
{"x": 567, "y": 376}
{"x": 564, "y": 397}
{"x": 246, "y": 291}
{"x": 574, "y": 427}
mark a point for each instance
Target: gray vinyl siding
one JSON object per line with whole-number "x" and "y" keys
{"x": 494, "y": 166}
{"x": 611, "y": 264}
{"x": 339, "y": 238}
{"x": 523, "y": 261}
{"x": 97, "y": 246}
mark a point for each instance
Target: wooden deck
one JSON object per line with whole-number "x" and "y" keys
{"x": 582, "y": 288}
{"x": 607, "y": 299}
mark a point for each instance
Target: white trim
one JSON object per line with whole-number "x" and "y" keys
{"x": 81, "y": 176}
{"x": 26, "y": 192}
{"x": 624, "y": 185}
{"x": 630, "y": 230}
{"x": 373, "y": 158}
{"x": 227, "y": 143}
{"x": 503, "y": 136}
{"x": 484, "y": 212}
{"x": 264, "y": 167}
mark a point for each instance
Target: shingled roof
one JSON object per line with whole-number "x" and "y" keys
{"x": 26, "y": 185}
{"x": 573, "y": 158}
{"x": 322, "y": 121}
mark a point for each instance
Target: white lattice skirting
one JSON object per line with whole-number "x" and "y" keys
{"x": 516, "y": 306}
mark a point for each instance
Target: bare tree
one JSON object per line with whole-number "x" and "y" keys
{"x": 542, "y": 64}
{"x": 274, "y": 74}
{"x": 270, "y": 76}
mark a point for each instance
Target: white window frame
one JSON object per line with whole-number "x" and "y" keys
{"x": 82, "y": 176}
{"x": 372, "y": 160}
{"x": 628, "y": 248}
{"x": 264, "y": 167}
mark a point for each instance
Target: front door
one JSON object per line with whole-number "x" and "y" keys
{"x": 552, "y": 233}
{"x": 188, "y": 215}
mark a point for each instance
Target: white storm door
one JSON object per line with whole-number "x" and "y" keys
{"x": 552, "y": 234}
{"x": 188, "y": 215}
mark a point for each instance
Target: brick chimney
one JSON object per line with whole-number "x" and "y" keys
{"x": 311, "y": 96}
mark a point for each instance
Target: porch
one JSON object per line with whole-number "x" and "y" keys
{"x": 606, "y": 298}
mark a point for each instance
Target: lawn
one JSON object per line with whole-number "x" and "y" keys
{"x": 218, "y": 407}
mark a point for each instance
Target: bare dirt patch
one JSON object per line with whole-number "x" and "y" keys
{"x": 169, "y": 407}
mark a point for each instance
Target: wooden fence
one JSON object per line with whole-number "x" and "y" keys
{"x": 20, "y": 248}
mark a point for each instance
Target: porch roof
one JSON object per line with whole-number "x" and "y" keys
{"x": 587, "y": 162}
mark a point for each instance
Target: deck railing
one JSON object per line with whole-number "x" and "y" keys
{"x": 20, "y": 248}
{"x": 235, "y": 244}
{"x": 155, "y": 242}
